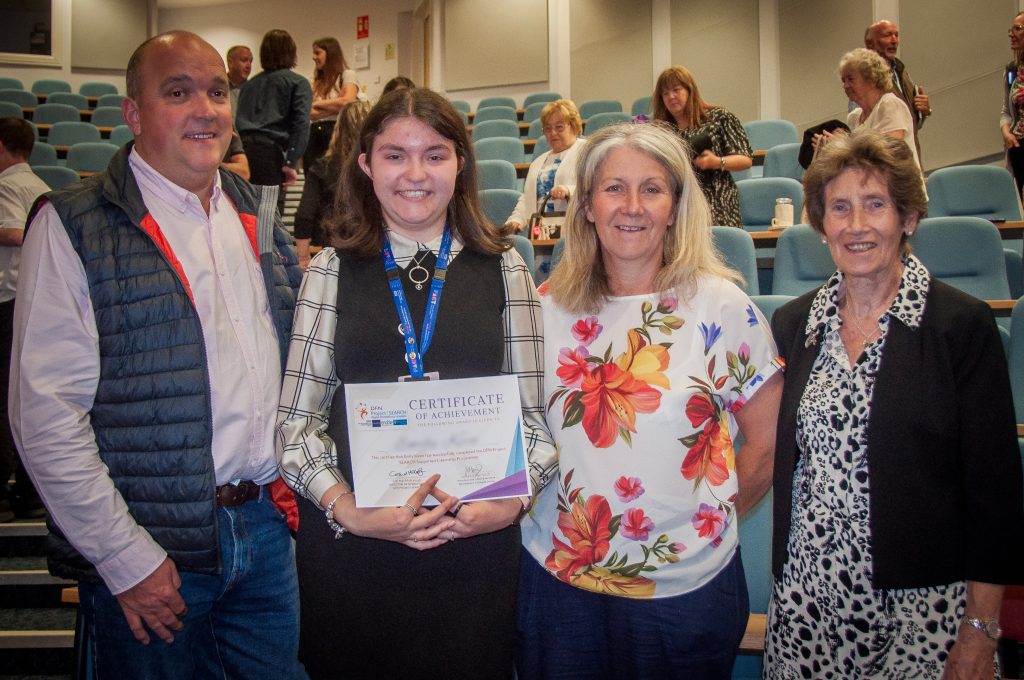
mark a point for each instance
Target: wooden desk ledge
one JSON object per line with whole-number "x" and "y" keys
{"x": 753, "y": 636}
{"x": 70, "y": 595}
{"x": 1020, "y": 430}
{"x": 1001, "y": 307}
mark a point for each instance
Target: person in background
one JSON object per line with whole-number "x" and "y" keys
{"x": 235, "y": 159}
{"x": 1011, "y": 118}
{"x": 239, "y": 68}
{"x": 19, "y": 188}
{"x": 334, "y": 86}
{"x": 717, "y": 140}
{"x": 654, "y": 363}
{"x": 273, "y": 114}
{"x": 866, "y": 82}
{"x": 151, "y": 324}
{"x": 554, "y": 171}
{"x": 317, "y": 205}
{"x": 397, "y": 82}
{"x": 423, "y": 592}
{"x": 884, "y": 38}
{"x": 898, "y": 499}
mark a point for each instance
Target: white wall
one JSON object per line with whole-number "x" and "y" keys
{"x": 246, "y": 22}
{"x": 599, "y": 48}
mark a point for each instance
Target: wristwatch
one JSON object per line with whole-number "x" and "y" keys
{"x": 990, "y": 627}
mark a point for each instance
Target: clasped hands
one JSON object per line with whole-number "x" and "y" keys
{"x": 423, "y": 528}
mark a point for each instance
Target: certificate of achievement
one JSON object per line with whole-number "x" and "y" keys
{"x": 469, "y": 431}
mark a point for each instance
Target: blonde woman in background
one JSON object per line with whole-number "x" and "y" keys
{"x": 553, "y": 171}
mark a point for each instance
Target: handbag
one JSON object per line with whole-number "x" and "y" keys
{"x": 546, "y": 225}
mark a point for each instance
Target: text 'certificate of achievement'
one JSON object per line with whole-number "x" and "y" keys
{"x": 469, "y": 431}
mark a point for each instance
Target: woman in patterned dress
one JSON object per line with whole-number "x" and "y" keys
{"x": 653, "y": 357}
{"x": 716, "y": 137}
{"x": 897, "y": 473}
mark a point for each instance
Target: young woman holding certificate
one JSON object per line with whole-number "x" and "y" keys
{"x": 407, "y": 591}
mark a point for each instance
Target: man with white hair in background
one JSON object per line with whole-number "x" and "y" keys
{"x": 884, "y": 38}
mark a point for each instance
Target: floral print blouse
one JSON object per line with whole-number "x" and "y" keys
{"x": 641, "y": 400}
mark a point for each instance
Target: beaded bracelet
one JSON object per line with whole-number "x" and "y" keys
{"x": 338, "y": 530}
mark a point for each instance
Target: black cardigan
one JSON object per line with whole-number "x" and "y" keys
{"x": 944, "y": 467}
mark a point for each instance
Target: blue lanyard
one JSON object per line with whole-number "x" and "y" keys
{"x": 414, "y": 352}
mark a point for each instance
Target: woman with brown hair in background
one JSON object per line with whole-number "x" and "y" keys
{"x": 334, "y": 86}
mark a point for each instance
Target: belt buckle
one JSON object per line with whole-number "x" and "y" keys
{"x": 230, "y": 495}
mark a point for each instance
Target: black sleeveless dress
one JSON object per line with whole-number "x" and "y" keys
{"x": 378, "y": 609}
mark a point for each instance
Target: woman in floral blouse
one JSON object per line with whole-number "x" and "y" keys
{"x": 654, "y": 361}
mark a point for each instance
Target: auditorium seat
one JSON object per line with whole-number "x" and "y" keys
{"x": 757, "y": 200}
{"x": 496, "y": 128}
{"x": 540, "y": 98}
{"x": 495, "y": 113}
{"x": 737, "y": 247}
{"x": 764, "y": 134}
{"x": 50, "y": 85}
{"x": 802, "y": 261}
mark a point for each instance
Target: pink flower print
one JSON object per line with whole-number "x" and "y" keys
{"x": 668, "y": 304}
{"x": 674, "y": 549}
{"x": 709, "y": 523}
{"x": 635, "y": 524}
{"x": 744, "y": 353}
{"x": 573, "y": 366}
{"x": 587, "y": 330}
{"x": 628, "y": 489}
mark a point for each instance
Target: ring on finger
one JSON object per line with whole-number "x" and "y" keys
{"x": 455, "y": 511}
{"x": 451, "y": 535}
{"x": 409, "y": 508}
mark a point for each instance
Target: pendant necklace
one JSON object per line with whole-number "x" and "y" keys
{"x": 851, "y": 316}
{"x": 418, "y": 265}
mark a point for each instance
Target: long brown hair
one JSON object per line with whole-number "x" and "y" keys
{"x": 359, "y": 226}
{"x": 326, "y": 78}
{"x": 696, "y": 107}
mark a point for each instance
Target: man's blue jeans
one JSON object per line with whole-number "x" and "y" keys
{"x": 241, "y": 623}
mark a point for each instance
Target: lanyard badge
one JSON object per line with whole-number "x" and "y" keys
{"x": 414, "y": 350}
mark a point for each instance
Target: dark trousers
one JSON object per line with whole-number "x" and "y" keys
{"x": 9, "y": 462}
{"x": 319, "y": 140}
{"x": 1016, "y": 156}
{"x": 266, "y": 158}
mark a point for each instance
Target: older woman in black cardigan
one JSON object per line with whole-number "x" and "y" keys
{"x": 898, "y": 510}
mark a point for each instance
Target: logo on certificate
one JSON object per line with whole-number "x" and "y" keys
{"x": 374, "y": 415}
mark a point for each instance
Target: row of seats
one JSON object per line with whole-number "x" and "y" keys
{"x": 67, "y": 133}
{"x": 965, "y": 252}
{"x": 49, "y": 86}
{"x": 49, "y": 113}
{"x": 27, "y": 101}
{"x": 534, "y": 103}
{"x": 92, "y": 156}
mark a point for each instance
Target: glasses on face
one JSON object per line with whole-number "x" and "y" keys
{"x": 548, "y": 129}
{"x": 1016, "y": 28}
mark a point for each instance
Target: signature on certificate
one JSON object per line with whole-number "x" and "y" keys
{"x": 474, "y": 470}
{"x": 411, "y": 472}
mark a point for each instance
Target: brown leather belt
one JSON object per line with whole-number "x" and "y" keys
{"x": 230, "y": 495}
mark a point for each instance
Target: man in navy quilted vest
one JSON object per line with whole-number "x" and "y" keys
{"x": 152, "y": 318}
